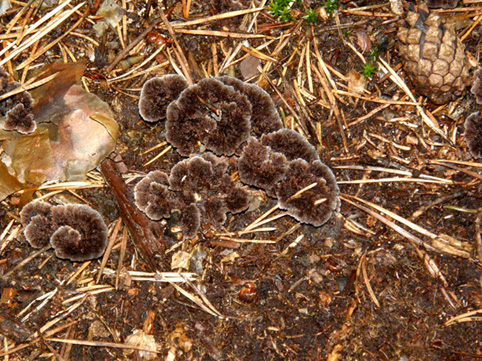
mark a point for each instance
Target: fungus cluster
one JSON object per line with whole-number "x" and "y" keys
{"x": 17, "y": 109}
{"x": 198, "y": 187}
{"x": 224, "y": 119}
{"x": 473, "y": 123}
{"x": 76, "y": 232}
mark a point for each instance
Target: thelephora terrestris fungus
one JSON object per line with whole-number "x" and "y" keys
{"x": 208, "y": 114}
{"x": 444, "y": 4}
{"x": 198, "y": 187}
{"x": 265, "y": 118}
{"x": 190, "y": 221}
{"x": 156, "y": 95}
{"x": 222, "y": 125}
{"x": 75, "y": 231}
{"x": 203, "y": 180}
{"x": 81, "y": 233}
{"x": 309, "y": 192}
{"x": 476, "y": 89}
{"x": 18, "y": 108}
{"x": 473, "y": 134}
{"x": 153, "y": 197}
{"x": 36, "y": 218}
{"x": 194, "y": 177}
{"x": 291, "y": 144}
{"x": 260, "y": 166}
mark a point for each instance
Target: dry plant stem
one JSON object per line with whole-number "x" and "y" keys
{"x": 179, "y": 53}
{"x": 478, "y": 236}
{"x": 465, "y": 317}
{"x": 48, "y": 28}
{"x": 323, "y": 77}
{"x": 363, "y": 266}
{"x": 25, "y": 261}
{"x": 129, "y": 47}
{"x": 208, "y": 19}
{"x": 37, "y": 339}
{"x": 112, "y": 239}
{"x": 26, "y": 87}
{"x": 121, "y": 257}
{"x": 44, "y": 49}
{"x": 413, "y": 240}
{"x": 472, "y": 174}
{"x": 101, "y": 344}
{"x": 440, "y": 200}
{"x": 146, "y": 234}
{"x": 222, "y": 34}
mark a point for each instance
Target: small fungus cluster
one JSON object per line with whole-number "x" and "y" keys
{"x": 222, "y": 125}
{"x": 198, "y": 187}
{"x": 75, "y": 231}
{"x": 473, "y": 123}
{"x": 17, "y": 109}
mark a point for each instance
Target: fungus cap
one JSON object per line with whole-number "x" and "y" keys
{"x": 81, "y": 233}
{"x": 190, "y": 220}
{"x": 309, "y": 192}
{"x": 17, "y": 108}
{"x": 260, "y": 166}
{"x": 20, "y": 119}
{"x": 473, "y": 134}
{"x": 476, "y": 88}
{"x": 36, "y": 218}
{"x": 265, "y": 118}
{"x": 156, "y": 95}
{"x": 153, "y": 197}
{"x": 291, "y": 144}
{"x": 211, "y": 114}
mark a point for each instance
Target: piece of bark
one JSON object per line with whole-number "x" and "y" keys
{"x": 146, "y": 234}
{"x": 12, "y": 328}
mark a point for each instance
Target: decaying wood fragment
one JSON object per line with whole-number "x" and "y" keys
{"x": 146, "y": 234}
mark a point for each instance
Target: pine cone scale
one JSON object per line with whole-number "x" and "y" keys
{"x": 433, "y": 56}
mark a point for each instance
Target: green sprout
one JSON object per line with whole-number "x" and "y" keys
{"x": 281, "y": 9}
{"x": 310, "y": 16}
{"x": 330, "y": 6}
{"x": 373, "y": 55}
{"x": 368, "y": 69}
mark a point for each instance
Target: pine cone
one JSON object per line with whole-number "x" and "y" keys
{"x": 433, "y": 56}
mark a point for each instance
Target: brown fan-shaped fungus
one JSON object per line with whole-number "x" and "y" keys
{"x": 444, "y": 4}
{"x": 17, "y": 108}
{"x": 198, "y": 187}
{"x": 193, "y": 177}
{"x": 473, "y": 134}
{"x": 81, "y": 232}
{"x": 309, "y": 192}
{"x": 260, "y": 166}
{"x": 76, "y": 232}
{"x": 476, "y": 89}
{"x": 156, "y": 95}
{"x": 209, "y": 113}
{"x": 265, "y": 118}
{"x": 291, "y": 144}
{"x": 153, "y": 197}
{"x": 36, "y": 218}
{"x": 203, "y": 181}
{"x": 226, "y": 116}
{"x": 190, "y": 220}
{"x": 236, "y": 200}
{"x": 20, "y": 119}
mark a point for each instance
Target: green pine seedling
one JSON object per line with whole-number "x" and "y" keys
{"x": 310, "y": 16}
{"x": 330, "y": 6}
{"x": 368, "y": 69}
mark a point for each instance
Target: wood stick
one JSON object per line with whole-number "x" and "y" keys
{"x": 146, "y": 234}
